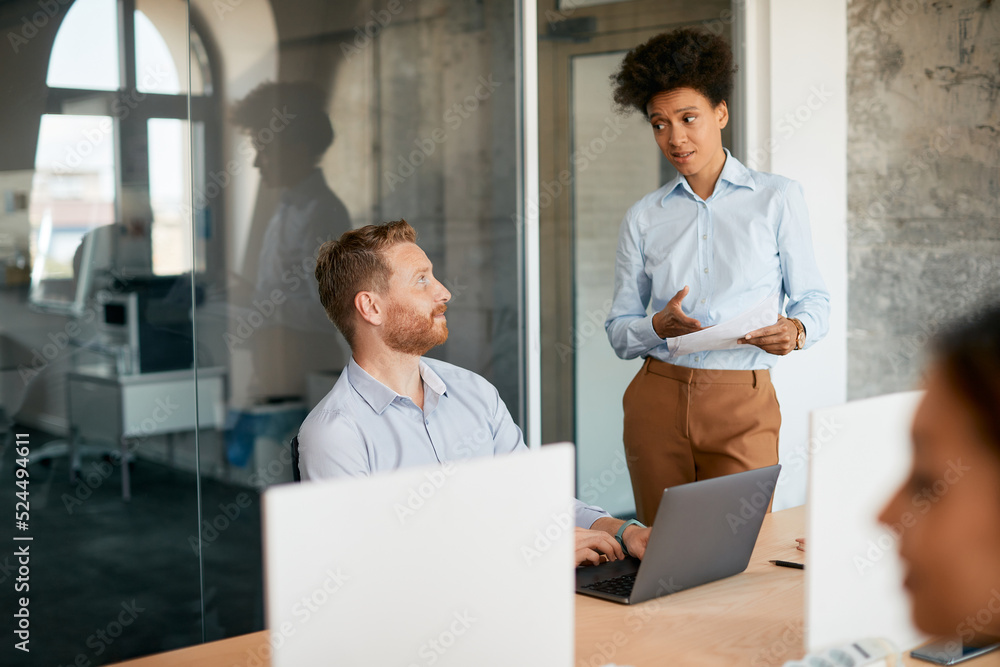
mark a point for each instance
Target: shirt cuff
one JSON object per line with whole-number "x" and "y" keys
{"x": 586, "y": 515}
{"x": 648, "y": 338}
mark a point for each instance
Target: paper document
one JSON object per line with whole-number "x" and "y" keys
{"x": 723, "y": 336}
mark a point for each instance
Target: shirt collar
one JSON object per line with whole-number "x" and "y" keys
{"x": 379, "y": 396}
{"x": 306, "y": 190}
{"x": 736, "y": 172}
{"x": 432, "y": 379}
{"x": 733, "y": 171}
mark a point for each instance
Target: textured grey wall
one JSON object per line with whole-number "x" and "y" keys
{"x": 923, "y": 179}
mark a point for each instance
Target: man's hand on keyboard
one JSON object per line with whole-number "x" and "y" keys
{"x": 596, "y": 546}
{"x": 636, "y": 539}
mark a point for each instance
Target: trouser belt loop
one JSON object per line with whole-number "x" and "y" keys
{"x": 754, "y": 379}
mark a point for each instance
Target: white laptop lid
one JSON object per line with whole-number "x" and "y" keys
{"x": 860, "y": 454}
{"x": 465, "y": 564}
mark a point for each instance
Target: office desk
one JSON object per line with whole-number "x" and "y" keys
{"x": 120, "y": 409}
{"x": 754, "y": 619}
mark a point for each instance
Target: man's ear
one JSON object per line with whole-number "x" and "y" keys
{"x": 369, "y": 307}
{"x": 722, "y": 114}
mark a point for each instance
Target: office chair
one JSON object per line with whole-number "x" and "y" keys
{"x": 40, "y": 387}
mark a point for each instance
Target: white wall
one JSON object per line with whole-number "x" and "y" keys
{"x": 796, "y": 69}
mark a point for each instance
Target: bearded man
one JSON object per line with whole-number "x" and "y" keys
{"x": 392, "y": 408}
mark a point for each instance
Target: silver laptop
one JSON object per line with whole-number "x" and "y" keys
{"x": 462, "y": 564}
{"x": 704, "y": 531}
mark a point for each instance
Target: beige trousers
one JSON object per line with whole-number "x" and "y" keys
{"x": 686, "y": 424}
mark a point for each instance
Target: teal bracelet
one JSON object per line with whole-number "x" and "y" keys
{"x": 621, "y": 530}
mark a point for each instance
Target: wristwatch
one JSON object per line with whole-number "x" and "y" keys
{"x": 621, "y": 531}
{"x": 800, "y": 340}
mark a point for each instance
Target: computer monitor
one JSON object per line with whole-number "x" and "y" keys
{"x": 464, "y": 564}
{"x": 63, "y": 273}
{"x": 151, "y": 317}
{"x": 859, "y": 455}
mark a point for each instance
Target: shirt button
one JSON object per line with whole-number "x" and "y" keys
{"x": 706, "y": 270}
{"x": 703, "y": 301}
{"x": 697, "y": 358}
{"x": 704, "y": 236}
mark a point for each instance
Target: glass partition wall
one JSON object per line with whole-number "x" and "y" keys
{"x": 170, "y": 169}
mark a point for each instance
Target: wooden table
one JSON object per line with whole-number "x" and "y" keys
{"x": 754, "y": 619}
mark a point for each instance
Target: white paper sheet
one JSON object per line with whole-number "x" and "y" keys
{"x": 723, "y": 336}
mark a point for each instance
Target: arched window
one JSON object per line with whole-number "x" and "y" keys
{"x": 115, "y": 149}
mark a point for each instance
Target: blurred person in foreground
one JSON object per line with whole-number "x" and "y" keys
{"x": 947, "y": 513}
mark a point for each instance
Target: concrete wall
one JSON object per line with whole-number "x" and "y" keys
{"x": 923, "y": 165}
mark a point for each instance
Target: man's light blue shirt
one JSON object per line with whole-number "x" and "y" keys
{"x": 362, "y": 427}
{"x": 749, "y": 239}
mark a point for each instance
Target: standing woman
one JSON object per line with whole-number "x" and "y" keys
{"x": 710, "y": 244}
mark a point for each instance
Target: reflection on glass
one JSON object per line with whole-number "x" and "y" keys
{"x": 169, "y": 195}
{"x": 85, "y": 53}
{"x": 276, "y": 319}
{"x": 425, "y": 134}
{"x": 154, "y": 64}
{"x": 290, "y": 131}
{"x": 98, "y": 175}
{"x": 73, "y": 192}
{"x": 161, "y": 53}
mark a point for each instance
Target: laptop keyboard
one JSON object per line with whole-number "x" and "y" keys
{"x": 621, "y": 586}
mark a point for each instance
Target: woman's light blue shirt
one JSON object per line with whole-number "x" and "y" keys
{"x": 749, "y": 239}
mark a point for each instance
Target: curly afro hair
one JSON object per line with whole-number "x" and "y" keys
{"x": 683, "y": 58}
{"x": 303, "y": 103}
